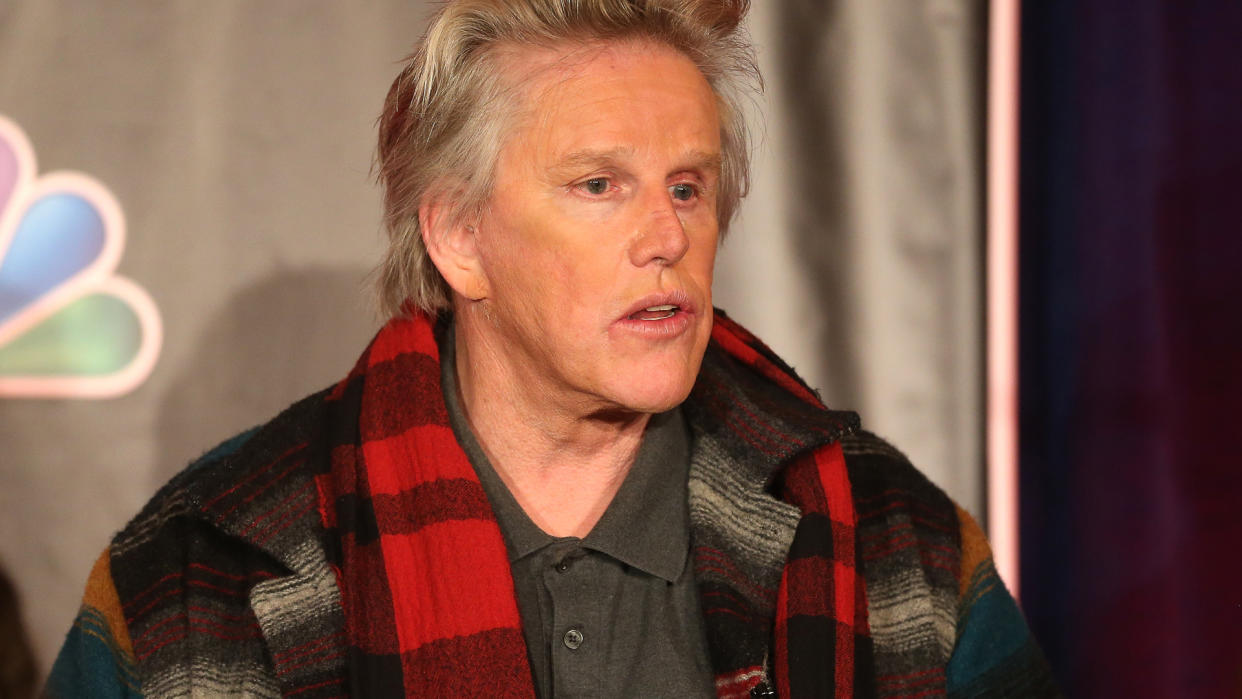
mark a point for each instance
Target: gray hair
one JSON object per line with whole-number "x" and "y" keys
{"x": 447, "y": 113}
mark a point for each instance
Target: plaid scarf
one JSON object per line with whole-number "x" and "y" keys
{"x": 425, "y": 584}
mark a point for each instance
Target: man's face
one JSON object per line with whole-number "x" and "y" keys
{"x": 600, "y": 237}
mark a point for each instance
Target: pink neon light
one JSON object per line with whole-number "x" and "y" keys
{"x": 1002, "y": 289}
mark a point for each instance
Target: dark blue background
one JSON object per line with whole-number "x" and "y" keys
{"x": 1131, "y": 339}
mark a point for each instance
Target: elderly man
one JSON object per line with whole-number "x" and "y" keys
{"x": 557, "y": 470}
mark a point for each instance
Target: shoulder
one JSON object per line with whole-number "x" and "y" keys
{"x": 995, "y": 653}
{"x": 185, "y": 568}
{"x": 178, "y": 571}
{"x": 888, "y": 487}
{"x": 235, "y": 465}
{"x": 932, "y": 584}
{"x": 226, "y": 463}
{"x": 97, "y": 657}
{"x": 909, "y": 549}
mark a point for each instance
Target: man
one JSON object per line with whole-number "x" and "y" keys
{"x": 556, "y": 471}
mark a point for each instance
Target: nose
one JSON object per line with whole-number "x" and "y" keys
{"x": 661, "y": 236}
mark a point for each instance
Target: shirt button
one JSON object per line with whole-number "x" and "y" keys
{"x": 562, "y": 566}
{"x": 573, "y": 639}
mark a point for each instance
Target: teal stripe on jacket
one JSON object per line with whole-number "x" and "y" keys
{"x": 91, "y": 663}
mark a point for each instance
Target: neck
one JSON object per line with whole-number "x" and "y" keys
{"x": 563, "y": 459}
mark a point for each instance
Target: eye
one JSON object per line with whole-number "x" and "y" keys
{"x": 682, "y": 192}
{"x": 596, "y": 185}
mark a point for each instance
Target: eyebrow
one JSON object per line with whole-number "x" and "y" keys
{"x": 591, "y": 157}
{"x": 705, "y": 161}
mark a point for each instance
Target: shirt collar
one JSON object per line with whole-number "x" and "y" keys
{"x": 647, "y": 524}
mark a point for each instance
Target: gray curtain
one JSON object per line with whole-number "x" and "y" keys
{"x": 859, "y": 256}
{"x": 237, "y": 138}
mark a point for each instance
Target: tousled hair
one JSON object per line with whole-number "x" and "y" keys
{"x": 447, "y": 113}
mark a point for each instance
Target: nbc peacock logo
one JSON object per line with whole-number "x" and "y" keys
{"x": 69, "y": 326}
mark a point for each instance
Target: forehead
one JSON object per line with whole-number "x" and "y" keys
{"x": 630, "y": 94}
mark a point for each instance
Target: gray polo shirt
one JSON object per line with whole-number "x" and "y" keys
{"x": 615, "y": 613}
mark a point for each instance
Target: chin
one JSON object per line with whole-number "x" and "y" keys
{"x": 656, "y": 405}
{"x": 652, "y": 381}
{"x": 654, "y": 392}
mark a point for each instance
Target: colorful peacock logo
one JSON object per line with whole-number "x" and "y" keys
{"x": 69, "y": 327}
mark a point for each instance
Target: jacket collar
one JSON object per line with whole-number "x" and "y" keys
{"x": 766, "y": 413}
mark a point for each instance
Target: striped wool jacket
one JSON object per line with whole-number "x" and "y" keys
{"x": 229, "y": 583}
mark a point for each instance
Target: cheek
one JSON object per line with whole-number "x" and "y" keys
{"x": 702, "y": 255}
{"x": 706, "y": 256}
{"x": 546, "y": 287}
{"x": 514, "y": 262}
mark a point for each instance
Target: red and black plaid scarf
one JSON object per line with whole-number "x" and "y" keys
{"x": 427, "y": 592}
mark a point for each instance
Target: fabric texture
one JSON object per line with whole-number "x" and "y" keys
{"x": 424, "y": 572}
{"x": 325, "y": 582}
{"x": 97, "y": 658}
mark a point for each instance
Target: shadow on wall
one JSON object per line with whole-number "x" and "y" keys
{"x": 276, "y": 341}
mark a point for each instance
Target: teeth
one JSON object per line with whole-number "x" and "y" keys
{"x": 660, "y": 312}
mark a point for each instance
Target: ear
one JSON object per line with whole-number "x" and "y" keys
{"x": 453, "y": 249}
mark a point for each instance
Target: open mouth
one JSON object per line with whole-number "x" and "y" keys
{"x": 656, "y": 312}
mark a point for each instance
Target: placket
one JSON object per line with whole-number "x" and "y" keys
{"x": 577, "y": 639}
